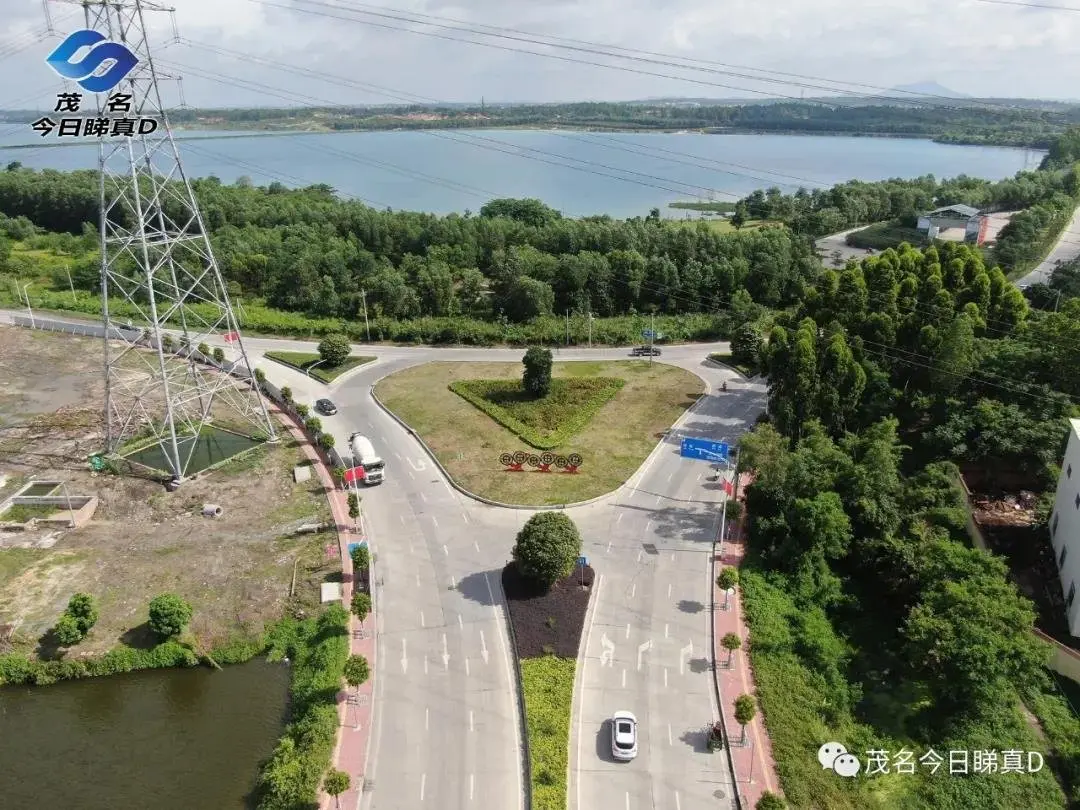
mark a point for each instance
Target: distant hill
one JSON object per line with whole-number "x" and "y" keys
{"x": 929, "y": 89}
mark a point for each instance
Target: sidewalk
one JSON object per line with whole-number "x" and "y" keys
{"x": 354, "y": 708}
{"x": 755, "y": 768}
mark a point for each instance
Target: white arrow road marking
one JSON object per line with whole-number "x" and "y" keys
{"x": 641, "y": 650}
{"x": 669, "y": 742}
{"x": 466, "y": 667}
{"x": 427, "y": 719}
{"x": 422, "y": 622}
{"x": 423, "y": 784}
{"x": 445, "y": 654}
{"x": 618, "y": 519}
{"x": 425, "y": 665}
{"x": 684, "y": 654}
{"x": 665, "y": 677}
{"x": 472, "y": 727}
{"x": 472, "y": 785}
{"x": 607, "y": 657}
{"x": 483, "y": 647}
{"x": 404, "y": 659}
{"x": 419, "y": 466}
{"x": 633, "y": 590}
{"x": 423, "y": 497}
{"x": 665, "y": 631}
{"x": 624, "y": 679}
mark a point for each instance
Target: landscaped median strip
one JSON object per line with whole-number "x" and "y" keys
{"x": 548, "y": 685}
{"x": 311, "y": 364}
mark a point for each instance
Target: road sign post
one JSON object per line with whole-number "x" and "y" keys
{"x": 704, "y": 449}
{"x": 582, "y": 562}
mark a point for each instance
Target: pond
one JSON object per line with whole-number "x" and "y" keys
{"x": 168, "y": 739}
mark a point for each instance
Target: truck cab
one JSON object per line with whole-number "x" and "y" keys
{"x": 364, "y": 456}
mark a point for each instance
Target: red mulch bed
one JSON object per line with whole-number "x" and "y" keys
{"x": 547, "y": 623}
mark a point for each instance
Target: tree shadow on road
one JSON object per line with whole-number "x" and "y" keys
{"x": 697, "y": 739}
{"x": 482, "y": 587}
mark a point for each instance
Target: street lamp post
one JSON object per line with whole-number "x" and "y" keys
{"x": 26, "y": 296}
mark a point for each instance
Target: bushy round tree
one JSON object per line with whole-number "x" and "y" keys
{"x": 67, "y": 630}
{"x": 83, "y": 609}
{"x": 169, "y": 614}
{"x": 536, "y": 378}
{"x": 547, "y": 547}
{"x": 746, "y": 345}
{"x": 334, "y": 349}
{"x": 770, "y": 801}
{"x": 361, "y": 605}
{"x": 357, "y": 671}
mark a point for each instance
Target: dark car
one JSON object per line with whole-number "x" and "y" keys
{"x": 326, "y": 407}
{"x": 646, "y": 351}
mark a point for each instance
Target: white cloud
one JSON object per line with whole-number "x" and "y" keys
{"x": 977, "y": 48}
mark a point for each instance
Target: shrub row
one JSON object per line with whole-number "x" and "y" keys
{"x": 548, "y": 331}
{"x": 19, "y": 669}
{"x": 477, "y": 393}
{"x": 548, "y": 686}
{"x": 318, "y": 649}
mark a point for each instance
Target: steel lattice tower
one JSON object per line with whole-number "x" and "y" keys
{"x": 156, "y": 256}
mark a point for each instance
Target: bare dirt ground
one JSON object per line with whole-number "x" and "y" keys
{"x": 236, "y": 570}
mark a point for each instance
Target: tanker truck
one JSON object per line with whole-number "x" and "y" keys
{"x": 364, "y": 456}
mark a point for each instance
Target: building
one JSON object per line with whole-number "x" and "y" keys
{"x": 949, "y": 217}
{"x": 1065, "y": 527}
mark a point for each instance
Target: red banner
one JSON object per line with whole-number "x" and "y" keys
{"x": 231, "y": 337}
{"x": 353, "y": 475}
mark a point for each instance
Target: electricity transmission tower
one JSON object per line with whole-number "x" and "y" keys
{"x": 157, "y": 261}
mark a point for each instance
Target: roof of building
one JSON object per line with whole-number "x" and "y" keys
{"x": 963, "y": 210}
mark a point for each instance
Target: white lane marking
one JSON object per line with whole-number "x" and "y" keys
{"x": 669, "y": 742}
{"x": 423, "y": 497}
{"x": 397, "y": 455}
{"x": 669, "y": 590}
{"x": 413, "y": 477}
{"x": 673, "y": 555}
{"x": 460, "y": 621}
{"x": 435, "y": 520}
{"x": 422, "y": 624}
{"x": 483, "y": 647}
{"x": 640, "y": 552}
{"x": 404, "y": 659}
{"x": 624, "y": 678}
{"x": 427, "y": 719}
{"x": 425, "y": 665}
{"x": 665, "y": 631}
{"x": 510, "y": 671}
{"x": 678, "y": 804}
{"x": 466, "y": 516}
{"x": 453, "y": 585}
{"x": 472, "y": 726}
{"x": 466, "y": 667}
{"x": 423, "y": 784}
{"x": 670, "y": 477}
{"x": 608, "y": 547}
{"x": 665, "y": 677}
{"x": 633, "y": 590}
{"x": 445, "y": 550}
{"x": 476, "y": 545}
{"x": 643, "y": 647}
{"x": 628, "y": 629}
{"x": 417, "y": 580}
{"x": 618, "y": 519}
{"x": 628, "y": 800}
{"x": 648, "y": 526}
{"x": 472, "y": 785}
{"x": 445, "y": 653}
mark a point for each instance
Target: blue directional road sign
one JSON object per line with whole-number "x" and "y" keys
{"x": 582, "y": 561}
{"x": 648, "y": 333}
{"x": 703, "y": 449}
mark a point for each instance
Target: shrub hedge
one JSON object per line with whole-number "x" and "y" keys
{"x": 478, "y": 393}
{"x": 548, "y": 686}
{"x": 19, "y": 669}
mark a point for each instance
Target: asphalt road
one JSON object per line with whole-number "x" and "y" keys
{"x": 1066, "y": 249}
{"x": 446, "y": 729}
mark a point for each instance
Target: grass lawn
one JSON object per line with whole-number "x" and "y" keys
{"x": 884, "y": 235}
{"x": 548, "y": 685}
{"x": 468, "y": 442}
{"x": 726, "y": 360}
{"x": 722, "y": 225}
{"x": 322, "y": 373}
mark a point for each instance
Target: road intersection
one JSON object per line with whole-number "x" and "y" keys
{"x": 446, "y": 728}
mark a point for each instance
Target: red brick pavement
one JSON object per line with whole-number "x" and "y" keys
{"x": 755, "y": 768}
{"x": 354, "y": 708}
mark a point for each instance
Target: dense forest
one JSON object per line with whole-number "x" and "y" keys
{"x": 955, "y": 122}
{"x": 873, "y": 619}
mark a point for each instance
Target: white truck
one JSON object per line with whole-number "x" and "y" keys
{"x": 364, "y": 456}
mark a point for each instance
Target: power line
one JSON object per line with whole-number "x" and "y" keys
{"x": 1043, "y": 6}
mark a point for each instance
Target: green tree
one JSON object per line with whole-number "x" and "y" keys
{"x": 730, "y": 642}
{"x": 334, "y": 349}
{"x": 547, "y": 547}
{"x": 354, "y": 506}
{"x": 361, "y": 559}
{"x": 738, "y": 219}
{"x": 313, "y": 424}
{"x": 83, "y": 608}
{"x": 67, "y": 630}
{"x": 770, "y": 801}
{"x": 955, "y": 358}
{"x": 357, "y": 671}
{"x": 361, "y": 605}
{"x": 326, "y": 441}
{"x": 746, "y": 345}
{"x": 745, "y": 710}
{"x": 219, "y": 354}
{"x": 286, "y": 393}
{"x": 727, "y": 579}
{"x": 536, "y": 379}
{"x": 335, "y": 783}
{"x": 169, "y": 614}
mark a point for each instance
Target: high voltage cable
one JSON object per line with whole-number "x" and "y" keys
{"x": 533, "y": 39}
{"x": 1043, "y": 6}
{"x": 915, "y": 95}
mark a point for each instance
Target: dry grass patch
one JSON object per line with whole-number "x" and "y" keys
{"x": 468, "y": 443}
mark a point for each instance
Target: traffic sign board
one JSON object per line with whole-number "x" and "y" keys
{"x": 648, "y": 333}
{"x": 703, "y": 449}
{"x": 582, "y": 561}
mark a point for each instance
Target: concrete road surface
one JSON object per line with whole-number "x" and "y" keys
{"x": 1066, "y": 249}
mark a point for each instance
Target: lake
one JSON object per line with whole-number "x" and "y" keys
{"x": 169, "y": 739}
{"x": 621, "y": 174}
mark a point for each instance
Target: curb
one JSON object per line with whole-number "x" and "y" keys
{"x": 576, "y": 696}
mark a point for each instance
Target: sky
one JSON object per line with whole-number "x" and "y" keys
{"x": 352, "y": 56}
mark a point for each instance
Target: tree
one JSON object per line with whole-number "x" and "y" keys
{"x": 67, "y": 630}
{"x": 745, "y": 710}
{"x": 746, "y": 345}
{"x": 169, "y": 614}
{"x": 326, "y": 441}
{"x": 204, "y": 350}
{"x": 770, "y": 801}
{"x": 730, "y": 642}
{"x": 354, "y": 506}
{"x": 361, "y": 605}
{"x": 334, "y": 349}
{"x": 286, "y": 393}
{"x": 547, "y": 547}
{"x": 738, "y": 219}
{"x": 335, "y": 783}
{"x": 313, "y": 424}
{"x": 727, "y": 579}
{"x": 361, "y": 559}
{"x": 82, "y": 607}
{"x": 357, "y": 671}
{"x": 219, "y": 354}
{"x": 536, "y": 378}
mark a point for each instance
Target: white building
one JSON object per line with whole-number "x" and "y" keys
{"x": 1065, "y": 527}
{"x": 932, "y": 223}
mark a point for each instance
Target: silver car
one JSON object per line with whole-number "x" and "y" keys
{"x": 624, "y": 736}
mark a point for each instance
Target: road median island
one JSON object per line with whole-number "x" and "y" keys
{"x": 609, "y": 413}
{"x": 307, "y": 362}
{"x": 547, "y": 608}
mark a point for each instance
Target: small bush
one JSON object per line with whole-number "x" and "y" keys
{"x": 313, "y": 424}
{"x": 770, "y": 801}
{"x": 203, "y": 349}
{"x": 303, "y": 411}
{"x": 361, "y": 605}
{"x": 219, "y": 354}
{"x": 361, "y": 559}
{"x": 326, "y": 441}
{"x": 286, "y": 393}
{"x": 169, "y": 614}
{"x": 260, "y": 375}
{"x": 334, "y": 349}
{"x": 67, "y": 631}
{"x": 536, "y": 378}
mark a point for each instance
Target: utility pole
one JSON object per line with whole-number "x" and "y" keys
{"x": 652, "y": 337}
{"x": 367, "y": 326}
{"x": 26, "y": 295}
{"x": 568, "y": 328}
{"x": 74, "y": 300}
{"x": 590, "y": 327}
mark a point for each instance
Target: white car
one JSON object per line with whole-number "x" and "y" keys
{"x": 624, "y": 736}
